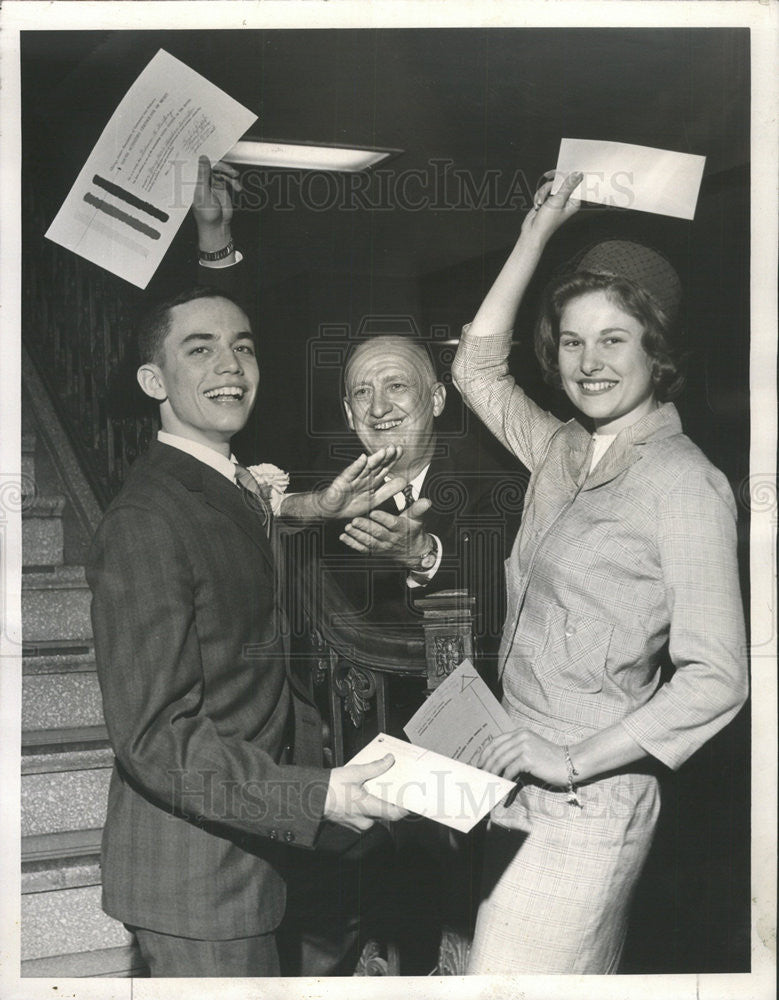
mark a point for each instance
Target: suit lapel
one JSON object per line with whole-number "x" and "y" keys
{"x": 215, "y": 490}
{"x": 229, "y": 501}
{"x": 441, "y": 470}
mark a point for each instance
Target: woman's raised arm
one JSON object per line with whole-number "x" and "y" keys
{"x": 480, "y": 368}
{"x": 499, "y": 308}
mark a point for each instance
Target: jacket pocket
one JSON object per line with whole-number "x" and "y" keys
{"x": 575, "y": 651}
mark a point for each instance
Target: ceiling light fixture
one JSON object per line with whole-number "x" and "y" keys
{"x": 306, "y": 156}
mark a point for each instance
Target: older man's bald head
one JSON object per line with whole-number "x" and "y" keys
{"x": 388, "y": 346}
{"x": 392, "y": 396}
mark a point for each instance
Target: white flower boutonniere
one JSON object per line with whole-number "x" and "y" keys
{"x": 273, "y": 483}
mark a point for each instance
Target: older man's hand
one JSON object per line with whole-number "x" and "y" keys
{"x": 400, "y": 536}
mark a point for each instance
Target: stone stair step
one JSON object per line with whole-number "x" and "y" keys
{"x": 57, "y": 699}
{"x": 65, "y": 778}
{"x": 58, "y": 656}
{"x": 60, "y": 873}
{"x": 43, "y": 541}
{"x": 62, "y": 748}
{"x": 55, "y": 604}
{"x": 66, "y": 922}
{"x": 71, "y": 800}
{"x": 44, "y": 507}
{"x": 112, "y": 963}
{"x": 55, "y": 578}
{"x": 43, "y": 536}
{"x": 48, "y": 848}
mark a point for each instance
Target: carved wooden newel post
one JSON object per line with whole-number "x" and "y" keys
{"x": 448, "y": 628}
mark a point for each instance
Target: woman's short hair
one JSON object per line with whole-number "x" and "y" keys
{"x": 657, "y": 340}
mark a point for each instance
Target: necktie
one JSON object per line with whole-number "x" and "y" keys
{"x": 250, "y": 490}
{"x": 408, "y": 495}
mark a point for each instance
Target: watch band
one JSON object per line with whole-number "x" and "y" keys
{"x": 216, "y": 254}
{"x": 427, "y": 560}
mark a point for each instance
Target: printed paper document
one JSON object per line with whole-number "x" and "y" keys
{"x": 138, "y": 183}
{"x": 460, "y": 718}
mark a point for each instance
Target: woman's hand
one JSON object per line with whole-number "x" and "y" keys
{"x": 523, "y": 752}
{"x": 499, "y": 309}
{"x": 550, "y": 211}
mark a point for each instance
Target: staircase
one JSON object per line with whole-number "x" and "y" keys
{"x": 66, "y": 756}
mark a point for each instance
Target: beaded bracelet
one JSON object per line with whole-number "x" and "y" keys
{"x": 573, "y": 798}
{"x": 217, "y": 254}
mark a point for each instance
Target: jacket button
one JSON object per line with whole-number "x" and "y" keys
{"x": 289, "y": 836}
{"x": 570, "y": 630}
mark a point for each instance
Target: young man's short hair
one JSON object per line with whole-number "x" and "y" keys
{"x": 153, "y": 327}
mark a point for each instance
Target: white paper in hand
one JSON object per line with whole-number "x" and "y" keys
{"x": 432, "y": 785}
{"x": 137, "y": 185}
{"x": 641, "y": 178}
{"x": 460, "y": 718}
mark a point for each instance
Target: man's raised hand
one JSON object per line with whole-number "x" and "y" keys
{"x": 212, "y": 205}
{"x": 361, "y": 486}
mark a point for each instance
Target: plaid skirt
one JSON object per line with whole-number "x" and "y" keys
{"x": 558, "y": 879}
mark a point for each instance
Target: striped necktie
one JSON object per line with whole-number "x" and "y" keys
{"x": 250, "y": 491}
{"x": 408, "y": 495}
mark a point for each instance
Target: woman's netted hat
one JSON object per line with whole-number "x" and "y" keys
{"x": 638, "y": 263}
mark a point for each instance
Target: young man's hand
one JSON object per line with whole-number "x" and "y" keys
{"x": 212, "y": 206}
{"x": 349, "y": 804}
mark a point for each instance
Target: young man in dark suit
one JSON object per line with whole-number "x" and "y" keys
{"x": 217, "y": 772}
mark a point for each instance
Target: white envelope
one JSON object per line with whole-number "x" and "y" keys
{"x": 641, "y": 178}
{"x": 137, "y": 184}
{"x": 460, "y": 718}
{"x": 432, "y": 785}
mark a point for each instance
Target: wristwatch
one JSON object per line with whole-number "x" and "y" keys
{"x": 427, "y": 560}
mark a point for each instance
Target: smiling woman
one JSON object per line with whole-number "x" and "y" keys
{"x": 604, "y": 369}
{"x": 628, "y": 296}
{"x": 624, "y": 567}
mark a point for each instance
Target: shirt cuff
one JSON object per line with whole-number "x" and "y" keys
{"x": 421, "y": 578}
{"x": 218, "y": 264}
